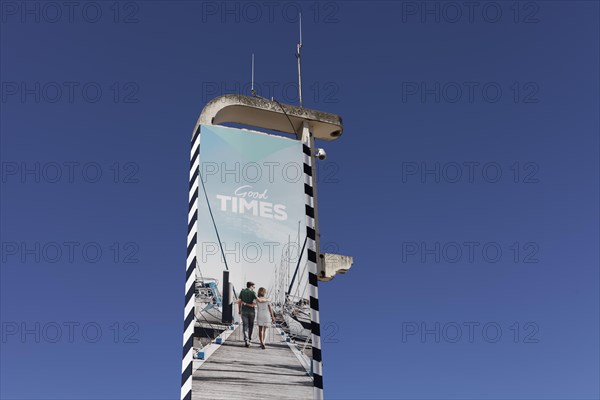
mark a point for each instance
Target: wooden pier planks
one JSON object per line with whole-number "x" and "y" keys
{"x": 237, "y": 372}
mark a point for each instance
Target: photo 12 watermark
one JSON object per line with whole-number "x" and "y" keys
{"x": 69, "y": 252}
{"x": 70, "y": 12}
{"x": 270, "y": 12}
{"x": 469, "y": 172}
{"x": 257, "y": 252}
{"x": 470, "y": 252}
{"x": 270, "y": 171}
{"x": 329, "y": 333}
{"x": 69, "y": 92}
{"x": 470, "y": 12}
{"x": 412, "y": 332}
{"x": 470, "y": 92}
{"x": 317, "y": 92}
{"x": 52, "y": 332}
{"x": 69, "y": 172}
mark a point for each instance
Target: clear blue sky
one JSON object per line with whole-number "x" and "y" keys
{"x": 465, "y": 185}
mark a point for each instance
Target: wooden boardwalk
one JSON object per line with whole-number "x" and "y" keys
{"x": 237, "y": 372}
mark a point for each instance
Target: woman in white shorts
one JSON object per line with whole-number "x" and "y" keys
{"x": 265, "y": 316}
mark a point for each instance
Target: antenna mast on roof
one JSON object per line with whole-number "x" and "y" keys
{"x": 252, "y": 90}
{"x": 298, "y": 47}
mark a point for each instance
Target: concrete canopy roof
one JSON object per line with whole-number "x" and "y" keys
{"x": 268, "y": 114}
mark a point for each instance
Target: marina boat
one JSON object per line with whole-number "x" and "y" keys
{"x": 208, "y": 305}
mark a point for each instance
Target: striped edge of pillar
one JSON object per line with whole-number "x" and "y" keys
{"x": 190, "y": 276}
{"x": 317, "y": 363}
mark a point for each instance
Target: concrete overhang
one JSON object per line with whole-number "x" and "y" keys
{"x": 268, "y": 114}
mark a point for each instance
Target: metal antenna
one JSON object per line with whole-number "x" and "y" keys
{"x": 298, "y": 47}
{"x": 252, "y": 90}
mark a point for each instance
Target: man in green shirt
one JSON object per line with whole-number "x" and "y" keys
{"x": 247, "y": 304}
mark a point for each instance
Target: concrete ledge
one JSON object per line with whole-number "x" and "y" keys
{"x": 267, "y": 114}
{"x": 333, "y": 264}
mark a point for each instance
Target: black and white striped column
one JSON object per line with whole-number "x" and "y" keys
{"x": 190, "y": 275}
{"x": 317, "y": 363}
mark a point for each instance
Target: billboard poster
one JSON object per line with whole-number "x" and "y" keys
{"x": 251, "y": 223}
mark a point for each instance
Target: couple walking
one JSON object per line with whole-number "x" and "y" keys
{"x": 248, "y": 302}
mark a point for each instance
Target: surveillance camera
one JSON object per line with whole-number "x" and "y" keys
{"x": 321, "y": 155}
